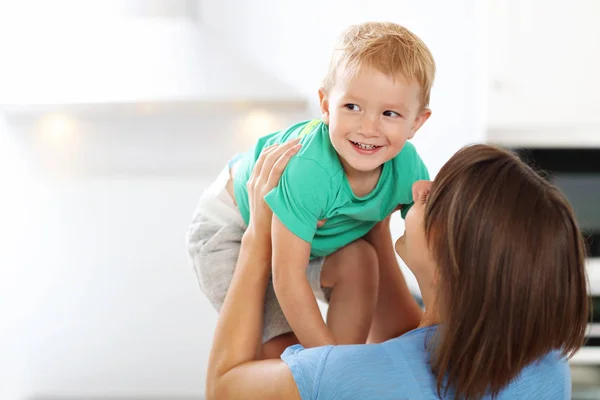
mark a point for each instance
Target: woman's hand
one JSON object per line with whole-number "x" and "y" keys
{"x": 265, "y": 176}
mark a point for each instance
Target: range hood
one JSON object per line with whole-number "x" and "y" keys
{"x": 129, "y": 53}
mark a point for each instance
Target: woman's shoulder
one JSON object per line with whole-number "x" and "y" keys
{"x": 388, "y": 370}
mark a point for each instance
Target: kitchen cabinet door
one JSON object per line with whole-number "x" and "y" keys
{"x": 543, "y": 61}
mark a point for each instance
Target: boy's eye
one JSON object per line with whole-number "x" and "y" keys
{"x": 352, "y": 107}
{"x": 390, "y": 113}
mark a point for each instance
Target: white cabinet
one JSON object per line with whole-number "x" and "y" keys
{"x": 543, "y": 61}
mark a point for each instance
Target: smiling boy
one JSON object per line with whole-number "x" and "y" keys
{"x": 354, "y": 168}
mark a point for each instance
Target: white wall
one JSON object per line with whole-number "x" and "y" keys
{"x": 13, "y": 176}
{"x": 111, "y": 305}
{"x": 98, "y": 296}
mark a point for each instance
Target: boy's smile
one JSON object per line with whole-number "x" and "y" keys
{"x": 370, "y": 117}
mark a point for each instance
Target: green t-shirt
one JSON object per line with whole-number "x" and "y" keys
{"x": 314, "y": 187}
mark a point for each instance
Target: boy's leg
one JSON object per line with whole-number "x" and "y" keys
{"x": 350, "y": 277}
{"x": 396, "y": 312}
{"x": 348, "y": 280}
{"x": 214, "y": 239}
{"x": 214, "y": 250}
{"x": 274, "y": 347}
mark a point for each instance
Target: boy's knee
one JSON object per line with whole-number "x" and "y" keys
{"x": 359, "y": 263}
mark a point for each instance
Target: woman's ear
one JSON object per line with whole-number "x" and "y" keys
{"x": 324, "y": 104}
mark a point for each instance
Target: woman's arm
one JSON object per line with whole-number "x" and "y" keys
{"x": 233, "y": 369}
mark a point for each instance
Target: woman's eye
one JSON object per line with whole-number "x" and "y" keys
{"x": 389, "y": 113}
{"x": 352, "y": 107}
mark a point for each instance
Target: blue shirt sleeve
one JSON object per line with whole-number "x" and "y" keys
{"x": 362, "y": 372}
{"x": 307, "y": 368}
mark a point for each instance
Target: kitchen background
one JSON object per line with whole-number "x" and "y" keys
{"x": 115, "y": 114}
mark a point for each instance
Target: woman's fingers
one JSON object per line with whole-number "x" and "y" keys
{"x": 269, "y": 156}
{"x": 260, "y": 161}
{"x": 267, "y": 160}
{"x": 279, "y": 166}
{"x": 274, "y": 155}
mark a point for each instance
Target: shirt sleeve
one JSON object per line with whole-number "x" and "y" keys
{"x": 420, "y": 173}
{"x": 365, "y": 372}
{"x": 301, "y": 196}
{"x": 307, "y": 367}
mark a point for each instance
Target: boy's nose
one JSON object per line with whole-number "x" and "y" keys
{"x": 369, "y": 127}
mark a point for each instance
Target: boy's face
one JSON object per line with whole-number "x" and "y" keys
{"x": 370, "y": 118}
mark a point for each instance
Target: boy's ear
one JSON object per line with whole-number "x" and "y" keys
{"x": 324, "y": 104}
{"x": 419, "y": 121}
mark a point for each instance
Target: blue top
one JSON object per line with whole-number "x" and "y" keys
{"x": 399, "y": 369}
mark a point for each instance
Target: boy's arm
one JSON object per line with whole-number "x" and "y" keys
{"x": 300, "y": 199}
{"x": 290, "y": 260}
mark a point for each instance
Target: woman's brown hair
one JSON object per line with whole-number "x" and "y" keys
{"x": 512, "y": 283}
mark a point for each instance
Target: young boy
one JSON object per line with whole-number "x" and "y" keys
{"x": 354, "y": 168}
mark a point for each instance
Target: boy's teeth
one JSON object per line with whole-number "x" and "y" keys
{"x": 365, "y": 146}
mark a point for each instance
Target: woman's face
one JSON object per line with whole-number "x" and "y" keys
{"x": 412, "y": 246}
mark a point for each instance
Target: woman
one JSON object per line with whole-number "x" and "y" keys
{"x": 499, "y": 260}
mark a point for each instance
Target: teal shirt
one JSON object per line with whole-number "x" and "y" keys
{"x": 314, "y": 187}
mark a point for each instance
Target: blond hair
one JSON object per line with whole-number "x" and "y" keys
{"x": 389, "y": 48}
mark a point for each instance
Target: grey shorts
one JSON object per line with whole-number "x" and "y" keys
{"x": 213, "y": 242}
